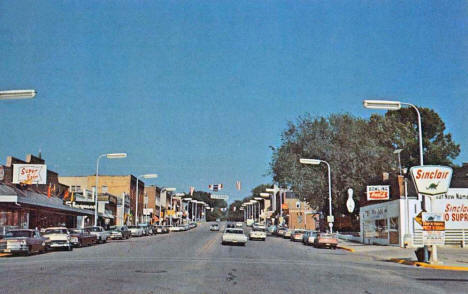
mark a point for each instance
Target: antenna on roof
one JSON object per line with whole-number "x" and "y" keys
{"x": 40, "y": 153}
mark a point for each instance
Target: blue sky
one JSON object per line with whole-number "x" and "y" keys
{"x": 196, "y": 91}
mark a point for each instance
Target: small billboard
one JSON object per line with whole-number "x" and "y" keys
{"x": 30, "y": 174}
{"x": 431, "y": 179}
{"x": 381, "y": 192}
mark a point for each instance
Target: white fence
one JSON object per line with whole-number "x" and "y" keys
{"x": 452, "y": 237}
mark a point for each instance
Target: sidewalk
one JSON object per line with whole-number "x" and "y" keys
{"x": 450, "y": 258}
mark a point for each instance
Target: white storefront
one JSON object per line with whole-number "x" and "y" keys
{"x": 387, "y": 223}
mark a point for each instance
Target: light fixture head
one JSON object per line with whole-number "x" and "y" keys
{"x": 116, "y": 155}
{"x": 17, "y": 94}
{"x": 309, "y": 161}
{"x": 382, "y": 104}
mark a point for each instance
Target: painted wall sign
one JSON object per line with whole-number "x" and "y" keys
{"x": 29, "y": 174}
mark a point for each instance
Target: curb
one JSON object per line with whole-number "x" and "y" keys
{"x": 346, "y": 248}
{"x": 426, "y": 265}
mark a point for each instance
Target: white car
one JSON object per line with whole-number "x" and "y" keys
{"x": 257, "y": 234}
{"x": 234, "y": 236}
{"x": 239, "y": 225}
{"x": 175, "y": 229}
{"x": 136, "y": 231}
{"x": 101, "y": 234}
{"x": 59, "y": 237}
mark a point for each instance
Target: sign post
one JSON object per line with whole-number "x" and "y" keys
{"x": 432, "y": 180}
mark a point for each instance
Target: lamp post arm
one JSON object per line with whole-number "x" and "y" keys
{"x": 96, "y": 189}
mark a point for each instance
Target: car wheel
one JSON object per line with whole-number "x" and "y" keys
{"x": 28, "y": 252}
{"x": 70, "y": 248}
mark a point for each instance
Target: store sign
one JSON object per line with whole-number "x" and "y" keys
{"x": 378, "y": 193}
{"x": 433, "y": 237}
{"x": 147, "y": 211}
{"x": 29, "y": 174}
{"x": 431, "y": 179}
{"x": 454, "y": 208}
{"x": 222, "y": 197}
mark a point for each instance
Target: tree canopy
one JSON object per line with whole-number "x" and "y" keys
{"x": 357, "y": 151}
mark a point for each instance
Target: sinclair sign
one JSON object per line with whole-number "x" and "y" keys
{"x": 431, "y": 179}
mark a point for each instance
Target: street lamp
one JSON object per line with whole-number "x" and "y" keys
{"x": 17, "y": 94}
{"x": 264, "y": 205}
{"x": 109, "y": 156}
{"x": 163, "y": 190}
{"x": 147, "y": 176}
{"x": 317, "y": 162}
{"x": 188, "y": 203}
{"x": 172, "y": 210}
{"x": 398, "y": 151}
{"x": 395, "y": 105}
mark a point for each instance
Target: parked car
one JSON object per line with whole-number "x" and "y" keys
{"x": 281, "y": 231}
{"x": 287, "y": 233}
{"x": 234, "y": 236}
{"x": 59, "y": 238}
{"x": 214, "y": 227}
{"x": 193, "y": 225}
{"x": 119, "y": 232}
{"x": 174, "y": 229}
{"x": 257, "y": 234}
{"x": 23, "y": 241}
{"x": 249, "y": 222}
{"x": 101, "y": 234}
{"x": 297, "y": 234}
{"x": 160, "y": 230}
{"x": 183, "y": 227}
{"x": 230, "y": 226}
{"x": 272, "y": 229}
{"x": 309, "y": 237}
{"x": 136, "y": 231}
{"x": 82, "y": 237}
{"x": 326, "y": 240}
{"x": 146, "y": 228}
{"x": 239, "y": 225}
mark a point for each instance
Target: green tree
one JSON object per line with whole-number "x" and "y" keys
{"x": 357, "y": 151}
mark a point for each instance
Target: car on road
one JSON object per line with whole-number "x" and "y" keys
{"x": 82, "y": 237}
{"x": 119, "y": 232}
{"x": 309, "y": 237}
{"x": 174, "y": 229}
{"x": 280, "y": 231}
{"x": 101, "y": 234}
{"x": 214, "y": 227}
{"x": 326, "y": 240}
{"x": 193, "y": 225}
{"x": 287, "y": 233}
{"x": 249, "y": 222}
{"x": 272, "y": 229}
{"x": 160, "y": 230}
{"x": 234, "y": 236}
{"x": 59, "y": 238}
{"x": 146, "y": 229}
{"x": 257, "y": 234}
{"x": 230, "y": 225}
{"x": 23, "y": 241}
{"x": 239, "y": 225}
{"x": 297, "y": 234}
{"x": 136, "y": 231}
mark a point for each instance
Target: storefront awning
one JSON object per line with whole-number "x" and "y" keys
{"x": 13, "y": 195}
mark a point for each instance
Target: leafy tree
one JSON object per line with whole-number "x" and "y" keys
{"x": 357, "y": 151}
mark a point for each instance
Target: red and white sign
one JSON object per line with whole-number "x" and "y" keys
{"x": 378, "y": 192}
{"x": 431, "y": 179}
{"x": 454, "y": 208}
{"x": 29, "y": 174}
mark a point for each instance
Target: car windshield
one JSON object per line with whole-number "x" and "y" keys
{"x": 12, "y": 234}
{"x": 76, "y": 231}
{"x": 95, "y": 229}
{"x": 230, "y": 231}
{"x": 55, "y": 231}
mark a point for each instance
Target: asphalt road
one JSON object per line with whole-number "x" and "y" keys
{"x": 196, "y": 262}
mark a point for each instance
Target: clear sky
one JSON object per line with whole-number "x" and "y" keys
{"x": 196, "y": 91}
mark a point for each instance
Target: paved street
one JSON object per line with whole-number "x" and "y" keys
{"x": 196, "y": 262}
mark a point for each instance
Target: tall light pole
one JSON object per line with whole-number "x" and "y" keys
{"x": 172, "y": 210}
{"x": 109, "y": 156}
{"x": 395, "y": 105}
{"x": 264, "y": 195}
{"x": 17, "y": 94}
{"x": 317, "y": 162}
{"x": 163, "y": 190}
{"x": 146, "y": 176}
{"x": 188, "y": 203}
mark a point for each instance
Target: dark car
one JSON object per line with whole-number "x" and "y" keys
{"x": 23, "y": 241}
{"x": 82, "y": 237}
